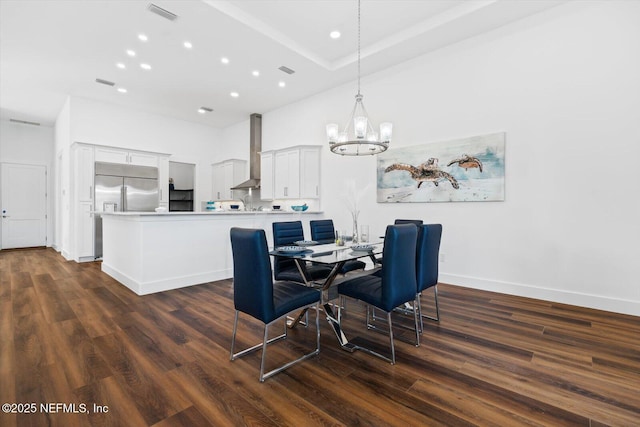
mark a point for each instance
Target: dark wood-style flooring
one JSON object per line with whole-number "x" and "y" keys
{"x": 70, "y": 334}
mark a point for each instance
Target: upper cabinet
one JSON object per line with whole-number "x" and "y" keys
{"x": 226, "y": 175}
{"x": 294, "y": 172}
{"x": 310, "y": 172}
{"x": 116, "y": 155}
{"x": 266, "y": 175}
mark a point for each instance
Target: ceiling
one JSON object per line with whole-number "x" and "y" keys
{"x": 50, "y": 49}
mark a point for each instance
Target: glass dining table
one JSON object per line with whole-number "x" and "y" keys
{"x": 336, "y": 257}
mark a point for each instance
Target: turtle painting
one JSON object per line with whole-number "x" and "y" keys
{"x": 426, "y": 172}
{"x": 466, "y": 161}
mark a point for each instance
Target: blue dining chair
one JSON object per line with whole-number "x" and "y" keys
{"x": 417, "y": 222}
{"x": 394, "y": 285}
{"x": 427, "y": 261}
{"x": 285, "y": 234}
{"x": 256, "y": 294}
{"x": 322, "y": 231}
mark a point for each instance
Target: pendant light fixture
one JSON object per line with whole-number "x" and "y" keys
{"x": 359, "y": 137}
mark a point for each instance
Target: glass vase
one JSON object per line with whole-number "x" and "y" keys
{"x": 354, "y": 236}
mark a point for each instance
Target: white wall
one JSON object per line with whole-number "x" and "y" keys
{"x": 105, "y": 124}
{"x": 564, "y": 86}
{"x": 235, "y": 140}
{"x": 30, "y": 145}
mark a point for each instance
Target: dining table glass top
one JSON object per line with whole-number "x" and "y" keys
{"x": 329, "y": 253}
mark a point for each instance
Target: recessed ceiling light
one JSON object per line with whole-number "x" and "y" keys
{"x": 143, "y": 37}
{"x": 188, "y": 45}
{"x": 234, "y": 94}
{"x": 201, "y": 110}
{"x": 282, "y": 84}
{"x": 131, "y": 52}
{"x": 335, "y": 34}
{"x": 255, "y": 73}
{"x": 121, "y": 65}
{"x": 224, "y": 60}
{"x": 122, "y": 90}
{"x": 145, "y": 66}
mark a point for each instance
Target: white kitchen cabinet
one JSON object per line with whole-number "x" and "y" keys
{"x": 294, "y": 173}
{"x": 163, "y": 180}
{"x": 266, "y": 175}
{"x": 85, "y": 232}
{"x": 286, "y": 176}
{"x": 116, "y": 155}
{"x": 227, "y": 174}
{"x": 84, "y": 172}
{"x": 82, "y": 176}
{"x": 309, "y": 172}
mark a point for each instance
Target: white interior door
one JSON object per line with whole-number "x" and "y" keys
{"x": 24, "y": 206}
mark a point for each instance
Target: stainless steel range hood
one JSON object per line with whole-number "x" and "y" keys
{"x": 255, "y": 146}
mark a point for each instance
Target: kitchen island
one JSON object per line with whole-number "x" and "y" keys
{"x": 152, "y": 252}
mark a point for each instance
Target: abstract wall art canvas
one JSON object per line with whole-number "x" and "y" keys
{"x": 461, "y": 170}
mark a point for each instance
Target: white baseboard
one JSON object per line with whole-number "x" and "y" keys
{"x": 145, "y": 288}
{"x": 598, "y": 302}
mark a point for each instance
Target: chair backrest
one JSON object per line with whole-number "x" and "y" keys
{"x": 399, "y": 267}
{"x": 252, "y": 282}
{"x": 285, "y": 233}
{"x": 417, "y": 222}
{"x": 427, "y": 254}
{"x": 322, "y": 231}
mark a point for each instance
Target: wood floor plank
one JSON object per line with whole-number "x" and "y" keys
{"x": 71, "y": 334}
{"x": 77, "y": 354}
{"x": 140, "y": 378}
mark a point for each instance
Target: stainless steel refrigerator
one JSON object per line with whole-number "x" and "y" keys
{"x": 123, "y": 188}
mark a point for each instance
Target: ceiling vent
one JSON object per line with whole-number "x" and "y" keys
{"x": 105, "y": 82}
{"x": 207, "y": 109}
{"x": 162, "y": 12}
{"x": 286, "y": 70}
{"x": 24, "y": 122}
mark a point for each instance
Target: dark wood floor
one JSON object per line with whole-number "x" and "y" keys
{"x": 70, "y": 334}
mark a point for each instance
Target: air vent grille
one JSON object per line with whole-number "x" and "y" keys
{"x": 24, "y": 122}
{"x": 105, "y": 82}
{"x": 207, "y": 109}
{"x": 286, "y": 70}
{"x": 162, "y": 12}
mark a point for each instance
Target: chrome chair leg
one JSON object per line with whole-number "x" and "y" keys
{"x": 393, "y": 348}
{"x": 416, "y": 309}
{"x": 435, "y": 296}
{"x": 418, "y": 304}
{"x": 264, "y": 351}
{"x": 233, "y": 336}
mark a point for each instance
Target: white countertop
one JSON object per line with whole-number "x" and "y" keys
{"x": 205, "y": 213}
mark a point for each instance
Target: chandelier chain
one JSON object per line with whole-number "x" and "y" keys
{"x": 358, "y": 47}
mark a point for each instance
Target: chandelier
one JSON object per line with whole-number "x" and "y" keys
{"x": 362, "y": 139}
